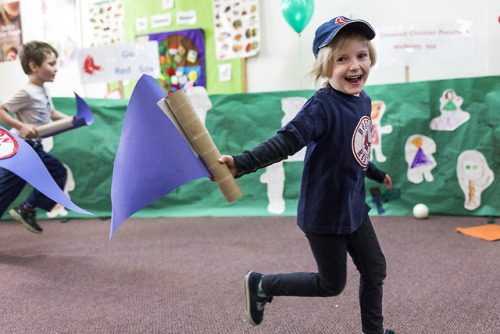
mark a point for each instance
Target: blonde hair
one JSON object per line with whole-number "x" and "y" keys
{"x": 323, "y": 66}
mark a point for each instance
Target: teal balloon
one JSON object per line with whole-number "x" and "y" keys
{"x": 297, "y": 13}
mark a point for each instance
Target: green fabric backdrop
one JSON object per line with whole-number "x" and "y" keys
{"x": 241, "y": 121}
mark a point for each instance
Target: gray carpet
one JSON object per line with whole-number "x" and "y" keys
{"x": 185, "y": 275}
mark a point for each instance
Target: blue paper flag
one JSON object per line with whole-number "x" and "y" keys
{"x": 152, "y": 158}
{"x": 20, "y": 158}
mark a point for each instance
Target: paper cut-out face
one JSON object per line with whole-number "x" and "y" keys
{"x": 472, "y": 170}
{"x": 474, "y": 176}
{"x": 418, "y": 154}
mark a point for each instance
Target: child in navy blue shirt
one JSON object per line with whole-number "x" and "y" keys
{"x": 336, "y": 127}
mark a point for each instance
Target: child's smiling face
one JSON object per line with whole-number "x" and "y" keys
{"x": 45, "y": 72}
{"x": 351, "y": 67}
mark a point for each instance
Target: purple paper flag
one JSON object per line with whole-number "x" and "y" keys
{"x": 152, "y": 159}
{"x": 20, "y": 158}
{"x": 83, "y": 117}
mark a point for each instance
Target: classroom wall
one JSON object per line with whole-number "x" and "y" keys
{"x": 285, "y": 57}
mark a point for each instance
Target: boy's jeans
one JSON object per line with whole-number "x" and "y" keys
{"x": 11, "y": 185}
{"x": 330, "y": 252}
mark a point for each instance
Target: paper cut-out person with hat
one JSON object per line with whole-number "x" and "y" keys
{"x": 418, "y": 154}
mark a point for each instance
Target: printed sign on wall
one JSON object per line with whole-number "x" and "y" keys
{"x": 10, "y": 31}
{"x": 117, "y": 62}
{"x": 237, "y": 32}
{"x": 60, "y": 29}
{"x": 407, "y": 45}
{"x": 102, "y": 22}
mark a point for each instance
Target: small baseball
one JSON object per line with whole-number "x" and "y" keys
{"x": 420, "y": 211}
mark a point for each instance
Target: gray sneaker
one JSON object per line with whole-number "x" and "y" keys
{"x": 254, "y": 303}
{"x": 27, "y": 218}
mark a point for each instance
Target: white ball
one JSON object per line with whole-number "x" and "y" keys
{"x": 420, "y": 211}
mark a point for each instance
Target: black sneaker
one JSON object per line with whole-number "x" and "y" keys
{"x": 27, "y": 218}
{"x": 389, "y": 331}
{"x": 254, "y": 303}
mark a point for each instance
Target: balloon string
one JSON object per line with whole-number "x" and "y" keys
{"x": 300, "y": 61}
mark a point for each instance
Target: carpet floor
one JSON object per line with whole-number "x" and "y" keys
{"x": 185, "y": 275}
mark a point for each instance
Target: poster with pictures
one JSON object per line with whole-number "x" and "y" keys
{"x": 182, "y": 58}
{"x": 236, "y": 28}
{"x": 10, "y": 31}
{"x": 60, "y": 29}
{"x": 102, "y": 22}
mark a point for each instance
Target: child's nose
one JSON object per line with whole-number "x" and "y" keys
{"x": 354, "y": 65}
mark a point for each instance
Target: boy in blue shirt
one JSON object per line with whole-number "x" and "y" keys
{"x": 31, "y": 106}
{"x": 335, "y": 126}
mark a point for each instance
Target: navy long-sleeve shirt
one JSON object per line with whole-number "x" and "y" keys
{"x": 337, "y": 130}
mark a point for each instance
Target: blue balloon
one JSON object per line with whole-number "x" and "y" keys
{"x": 297, "y": 13}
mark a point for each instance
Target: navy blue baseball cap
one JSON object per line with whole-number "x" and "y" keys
{"x": 328, "y": 30}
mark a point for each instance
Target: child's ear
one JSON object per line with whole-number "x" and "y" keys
{"x": 33, "y": 66}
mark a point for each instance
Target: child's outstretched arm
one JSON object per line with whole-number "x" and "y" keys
{"x": 274, "y": 149}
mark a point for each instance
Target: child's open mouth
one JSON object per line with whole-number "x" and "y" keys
{"x": 354, "y": 80}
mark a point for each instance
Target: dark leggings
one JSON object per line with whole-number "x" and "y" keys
{"x": 330, "y": 252}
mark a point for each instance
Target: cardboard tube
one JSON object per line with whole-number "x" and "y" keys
{"x": 200, "y": 139}
{"x": 51, "y": 128}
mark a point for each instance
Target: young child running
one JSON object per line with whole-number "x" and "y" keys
{"x": 335, "y": 126}
{"x": 31, "y": 106}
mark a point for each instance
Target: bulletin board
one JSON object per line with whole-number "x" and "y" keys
{"x": 182, "y": 58}
{"x": 150, "y": 17}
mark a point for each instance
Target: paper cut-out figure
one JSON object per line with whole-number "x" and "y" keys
{"x": 275, "y": 174}
{"x": 59, "y": 210}
{"x": 474, "y": 176}
{"x": 275, "y": 179}
{"x": 418, "y": 155}
{"x": 377, "y": 199}
{"x": 452, "y": 116}
{"x": 291, "y": 106}
{"x": 200, "y": 101}
{"x": 378, "y": 110}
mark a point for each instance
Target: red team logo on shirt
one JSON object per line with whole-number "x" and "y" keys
{"x": 8, "y": 145}
{"x": 362, "y": 141}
